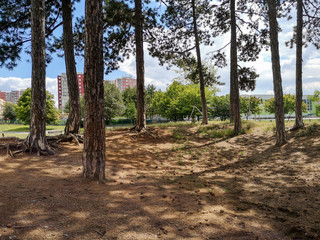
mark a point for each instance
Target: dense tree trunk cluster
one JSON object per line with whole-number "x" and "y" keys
{"x": 185, "y": 26}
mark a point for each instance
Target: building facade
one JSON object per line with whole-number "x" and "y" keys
{"x": 63, "y": 92}
{"x": 125, "y": 82}
{"x": 2, "y": 103}
{"x": 3, "y": 95}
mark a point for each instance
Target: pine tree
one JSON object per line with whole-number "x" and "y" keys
{"x": 73, "y": 121}
{"x": 276, "y": 70}
{"x": 36, "y": 140}
{"x": 93, "y": 157}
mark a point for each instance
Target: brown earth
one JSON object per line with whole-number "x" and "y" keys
{"x": 179, "y": 184}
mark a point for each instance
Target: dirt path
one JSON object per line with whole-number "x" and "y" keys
{"x": 167, "y": 188}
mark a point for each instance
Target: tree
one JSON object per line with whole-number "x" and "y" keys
{"x": 177, "y": 102}
{"x": 9, "y": 111}
{"x": 245, "y": 45}
{"x": 113, "y": 103}
{"x": 289, "y": 102}
{"x": 93, "y": 157}
{"x": 299, "y": 43}
{"x": 307, "y": 30}
{"x": 73, "y": 121}
{"x": 15, "y": 24}
{"x": 181, "y": 34}
{"x": 141, "y": 110}
{"x": 250, "y": 105}
{"x": 36, "y": 140}
{"x": 24, "y": 106}
{"x": 150, "y": 94}
{"x": 276, "y": 70}
{"x": 234, "y": 88}
{"x": 131, "y": 111}
{"x": 220, "y": 107}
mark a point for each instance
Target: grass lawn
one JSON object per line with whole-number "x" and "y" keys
{"x": 12, "y": 130}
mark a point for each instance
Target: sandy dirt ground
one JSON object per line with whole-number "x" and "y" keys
{"x": 174, "y": 184}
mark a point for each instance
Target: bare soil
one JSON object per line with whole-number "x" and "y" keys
{"x": 168, "y": 186}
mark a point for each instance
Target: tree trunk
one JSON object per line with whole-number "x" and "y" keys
{"x": 73, "y": 121}
{"x": 36, "y": 140}
{"x": 276, "y": 71}
{"x": 141, "y": 108}
{"x": 234, "y": 89}
{"x": 202, "y": 87}
{"x": 299, "y": 120}
{"x": 93, "y": 157}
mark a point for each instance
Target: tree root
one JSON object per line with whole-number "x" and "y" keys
{"x": 18, "y": 146}
{"x": 65, "y": 138}
{"x": 146, "y": 132}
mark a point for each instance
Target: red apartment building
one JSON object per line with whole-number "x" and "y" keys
{"x": 125, "y": 82}
{"x": 63, "y": 93}
{"x": 3, "y": 95}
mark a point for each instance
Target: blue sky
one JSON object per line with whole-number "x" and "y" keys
{"x": 19, "y": 77}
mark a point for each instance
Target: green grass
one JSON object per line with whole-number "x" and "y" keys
{"x": 24, "y": 128}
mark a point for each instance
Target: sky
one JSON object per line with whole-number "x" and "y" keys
{"x": 20, "y": 76}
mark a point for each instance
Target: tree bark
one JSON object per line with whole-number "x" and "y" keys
{"x": 36, "y": 140}
{"x": 73, "y": 121}
{"x": 276, "y": 71}
{"x": 93, "y": 157}
{"x": 234, "y": 88}
{"x": 141, "y": 108}
{"x": 299, "y": 120}
{"x": 202, "y": 87}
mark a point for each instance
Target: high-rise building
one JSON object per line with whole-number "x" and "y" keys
{"x": 3, "y": 95}
{"x": 63, "y": 93}
{"x": 125, "y": 82}
{"x": 13, "y": 96}
{"x": 2, "y": 103}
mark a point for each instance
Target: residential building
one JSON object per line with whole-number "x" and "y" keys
{"x": 3, "y": 95}
{"x": 63, "y": 92}
{"x": 2, "y": 103}
{"x": 125, "y": 82}
{"x": 14, "y": 96}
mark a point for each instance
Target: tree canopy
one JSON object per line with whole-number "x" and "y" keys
{"x": 24, "y": 103}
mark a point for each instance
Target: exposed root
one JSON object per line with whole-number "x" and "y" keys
{"x": 65, "y": 138}
{"x": 16, "y": 146}
{"x": 146, "y": 132}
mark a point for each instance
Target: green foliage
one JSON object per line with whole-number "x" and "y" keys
{"x": 316, "y": 98}
{"x": 113, "y": 103}
{"x": 220, "y": 107}
{"x": 179, "y": 133}
{"x": 9, "y": 112}
{"x": 289, "y": 102}
{"x": 130, "y": 96}
{"x": 24, "y": 104}
{"x": 189, "y": 73}
{"x": 215, "y": 131}
{"x": 254, "y": 107}
{"x": 178, "y": 100}
{"x": 150, "y": 94}
{"x": 130, "y": 111}
{"x": 318, "y": 110}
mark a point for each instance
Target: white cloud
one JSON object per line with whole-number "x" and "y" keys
{"x": 8, "y": 84}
